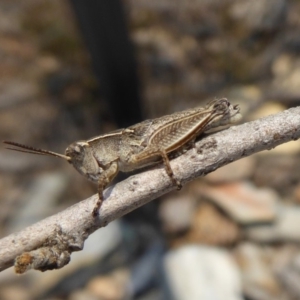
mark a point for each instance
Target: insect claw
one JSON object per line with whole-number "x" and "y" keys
{"x": 178, "y": 185}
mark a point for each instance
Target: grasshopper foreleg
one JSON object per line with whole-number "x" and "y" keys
{"x": 106, "y": 177}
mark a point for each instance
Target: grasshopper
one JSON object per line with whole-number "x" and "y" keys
{"x": 141, "y": 145}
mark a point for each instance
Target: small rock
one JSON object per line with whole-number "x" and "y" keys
{"x": 279, "y": 172}
{"x": 16, "y": 92}
{"x": 287, "y": 75}
{"x": 284, "y": 229}
{"x": 39, "y": 200}
{"x": 259, "y": 281}
{"x": 297, "y": 194}
{"x": 205, "y": 273}
{"x": 282, "y": 65}
{"x": 287, "y": 269}
{"x": 243, "y": 201}
{"x": 176, "y": 213}
{"x": 81, "y": 295}
{"x": 9, "y": 292}
{"x": 109, "y": 287}
{"x": 263, "y": 15}
{"x": 210, "y": 226}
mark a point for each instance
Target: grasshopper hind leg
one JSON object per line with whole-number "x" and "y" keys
{"x": 169, "y": 170}
{"x": 156, "y": 152}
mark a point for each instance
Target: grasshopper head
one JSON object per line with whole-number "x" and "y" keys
{"x": 81, "y": 157}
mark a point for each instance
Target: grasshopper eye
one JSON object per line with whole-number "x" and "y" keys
{"x": 77, "y": 149}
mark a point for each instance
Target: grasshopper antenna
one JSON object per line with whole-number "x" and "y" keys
{"x": 32, "y": 150}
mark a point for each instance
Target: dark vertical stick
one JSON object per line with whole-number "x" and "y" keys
{"x": 105, "y": 31}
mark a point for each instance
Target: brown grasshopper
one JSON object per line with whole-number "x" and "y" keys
{"x": 144, "y": 144}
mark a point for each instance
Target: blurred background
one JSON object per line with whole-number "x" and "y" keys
{"x": 71, "y": 70}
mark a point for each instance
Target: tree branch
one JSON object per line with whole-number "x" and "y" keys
{"x": 49, "y": 243}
